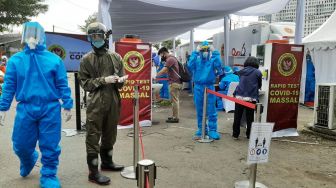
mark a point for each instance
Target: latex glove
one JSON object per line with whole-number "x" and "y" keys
{"x": 123, "y": 79}
{"x": 2, "y": 118}
{"x": 111, "y": 79}
{"x": 66, "y": 115}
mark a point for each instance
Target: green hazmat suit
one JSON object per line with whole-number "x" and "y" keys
{"x": 103, "y": 105}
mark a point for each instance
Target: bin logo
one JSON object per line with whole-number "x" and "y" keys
{"x": 287, "y": 64}
{"x": 133, "y": 61}
{"x": 58, "y": 50}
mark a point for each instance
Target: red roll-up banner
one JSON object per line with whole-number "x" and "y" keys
{"x": 137, "y": 64}
{"x": 284, "y": 86}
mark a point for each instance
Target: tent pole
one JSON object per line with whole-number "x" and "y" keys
{"x": 191, "y": 44}
{"x": 226, "y": 40}
{"x": 299, "y": 22}
{"x": 174, "y": 47}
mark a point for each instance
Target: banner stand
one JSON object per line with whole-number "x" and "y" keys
{"x": 204, "y": 138}
{"x": 130, "y": 171}
{"x": 251, "y": 183}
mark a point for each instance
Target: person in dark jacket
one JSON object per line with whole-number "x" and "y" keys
{"x": 247, "y": 90}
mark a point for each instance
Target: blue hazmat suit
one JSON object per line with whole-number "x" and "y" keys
{"x": 37, "y": 78}
{"x": 310, "y": 80}
{"x": 164, "y": 91}
{"x": 205, "y": 70}
{"x": 225, "y": 83}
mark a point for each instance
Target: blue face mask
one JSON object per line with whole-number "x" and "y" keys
{"x": 98, "y": 44}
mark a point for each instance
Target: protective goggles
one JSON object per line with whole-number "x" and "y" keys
{"x": 95, "y": 37}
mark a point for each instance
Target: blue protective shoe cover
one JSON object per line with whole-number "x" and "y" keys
{"x": 198, "y": 133}
{"x": 214, "y": 135}
{"x": 25, "y": 169}
{"x": 49, "y": 182}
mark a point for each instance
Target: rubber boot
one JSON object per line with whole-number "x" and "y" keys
{"x": 107, "y": 162}
{"x": 94, "y": 175}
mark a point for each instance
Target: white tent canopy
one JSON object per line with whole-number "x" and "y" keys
{"x": 321, "y": 44}
{"x": 155, "y": 20}
{"x": 324, "y": 37}
{"x": 270, "y": 7}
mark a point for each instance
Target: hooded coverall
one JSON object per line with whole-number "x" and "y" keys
{"x": 37, "y": 78}
{"x": 103, "y": 108}
{"x": 205, "y": 71}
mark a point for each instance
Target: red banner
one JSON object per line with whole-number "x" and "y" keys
{"x": 137, "y": 64}
{"x": 284, "y": 87}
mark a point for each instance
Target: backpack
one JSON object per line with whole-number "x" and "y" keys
{"x": 183, "y": 73}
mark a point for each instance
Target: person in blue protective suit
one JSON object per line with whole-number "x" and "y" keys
{"x": 228, "y": 78}
{"x": 205, "y": 68}
{"x": 310, "y": 80}
{"x": 37, "y": 78}
{"x": 225, "y": 83}
{"x": 164, "y": 91}
{"x": 236, "y": 70}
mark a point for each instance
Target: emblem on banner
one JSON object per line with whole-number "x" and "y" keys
{"x": 58, "y": 50}
{"x": 287, "y": 64}
{"x": 133, "y": 61}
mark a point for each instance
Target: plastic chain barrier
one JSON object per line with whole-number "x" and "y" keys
{"x": 244, "y": 103}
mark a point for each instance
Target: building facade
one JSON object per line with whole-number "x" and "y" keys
{"x": 316, "y": 13}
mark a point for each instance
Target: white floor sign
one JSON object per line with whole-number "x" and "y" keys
{"x": 260, "y": 140}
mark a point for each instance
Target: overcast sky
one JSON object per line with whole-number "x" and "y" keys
{"x": 66, "y": 15}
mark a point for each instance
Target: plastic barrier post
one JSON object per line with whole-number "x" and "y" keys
{"x": 129, "y": 172}
{"x": 204, "y": 138}
{"x": 252, "y": 183}
{"x": 146, "y": 174}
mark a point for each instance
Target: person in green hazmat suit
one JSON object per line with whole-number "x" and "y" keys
{"x": 101, "y": 74}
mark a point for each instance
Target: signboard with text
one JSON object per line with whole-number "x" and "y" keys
{"x": 284, "y": 85}
{"x": 70, "y": 48}
{"x": 137, "y": 64}
{"x": 259, "y": 144}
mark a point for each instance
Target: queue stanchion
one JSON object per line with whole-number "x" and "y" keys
{"x": 130, "y": 171}
{"x": 146, "y": 174}
{"x": 204, "y": 138}
{"x": 252, "y": 183}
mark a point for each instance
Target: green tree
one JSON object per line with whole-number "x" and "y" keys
{"x": 16, "y": 12}
{"x": 92, "y": 18}
{"x": 168, "y": 44}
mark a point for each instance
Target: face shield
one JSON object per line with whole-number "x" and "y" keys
{"x": 96, "y": 34}
{"x": 33, "y": 35}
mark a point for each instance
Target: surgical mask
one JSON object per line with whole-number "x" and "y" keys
{"x": 205, "y": 54}
{"x": 32, "y": 42}
{"x": 163, "y": 58}
{"x": 98, "y": 44}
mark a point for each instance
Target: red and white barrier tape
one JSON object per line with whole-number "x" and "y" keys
{"x": 244, "y": 103}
